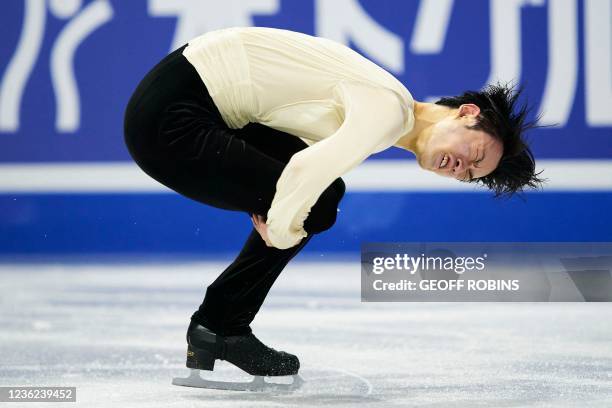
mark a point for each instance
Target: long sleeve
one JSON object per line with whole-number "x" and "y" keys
{"x": 373, "y": 121}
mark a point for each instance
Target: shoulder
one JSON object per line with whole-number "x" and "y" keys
{"x": 376, "y": 106}
{"x": 347, "y": 89}
{"x": 373, "y": 99}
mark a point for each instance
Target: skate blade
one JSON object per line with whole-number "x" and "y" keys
{"x": 257, "y": 384}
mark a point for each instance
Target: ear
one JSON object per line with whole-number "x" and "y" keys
{"x": 469, "y": 109}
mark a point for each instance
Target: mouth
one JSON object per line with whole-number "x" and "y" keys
{"x": 443, "y": 161}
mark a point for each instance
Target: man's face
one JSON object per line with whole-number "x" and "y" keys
{"x": 453, "y": 150}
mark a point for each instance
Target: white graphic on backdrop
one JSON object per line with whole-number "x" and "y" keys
{"x": 195, "y": 17}
{"x": 63, "y": 79}
{"x": 598, "y": 61}
{"x": 20, "y": 67}
{"x": 68, "y": 107}
{"x": 562, "y": 75}
{"x": 346, "y": 20}
{"x": 431, "y": 26}
{"x": 505, "y": 22}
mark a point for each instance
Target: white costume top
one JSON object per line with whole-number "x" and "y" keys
{"x": 342, "y": 105}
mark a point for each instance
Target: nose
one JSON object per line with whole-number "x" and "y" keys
{"x": 460, "y": 166}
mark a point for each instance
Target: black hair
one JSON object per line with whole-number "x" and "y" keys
{"x": 497, "y": 103}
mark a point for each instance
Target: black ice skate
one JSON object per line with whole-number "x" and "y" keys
{"x": 245, "y": 352}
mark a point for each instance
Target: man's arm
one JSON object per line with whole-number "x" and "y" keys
{"x": 373, "y": 117}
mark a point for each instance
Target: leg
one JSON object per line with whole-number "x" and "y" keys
{"x": 176, "y": 135}
{"x": 234, "y": 169}
{"x": 228, "y": 169}
{"x": 235, "y": 297}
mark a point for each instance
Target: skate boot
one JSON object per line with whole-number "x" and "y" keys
{"x": 245, "y": 352}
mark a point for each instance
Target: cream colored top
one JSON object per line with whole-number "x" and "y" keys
{"x": 342, "y": 105}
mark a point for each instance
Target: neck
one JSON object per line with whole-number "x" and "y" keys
{"x": 426, "y": 115}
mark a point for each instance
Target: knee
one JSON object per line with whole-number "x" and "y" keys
{"x": 323, "y": 214}
{"x": 339, "y": 188}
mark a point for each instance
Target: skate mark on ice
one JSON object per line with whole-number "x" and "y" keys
{"x": 367, "y": 383}
{"x": 320, "y": 386}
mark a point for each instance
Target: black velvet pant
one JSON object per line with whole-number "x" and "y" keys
{"x": 175, "y": 133}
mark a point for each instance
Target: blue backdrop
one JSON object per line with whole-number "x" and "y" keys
{"x": 68, "y": 67}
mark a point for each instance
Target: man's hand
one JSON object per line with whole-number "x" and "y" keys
{"x": 260, "y": 225}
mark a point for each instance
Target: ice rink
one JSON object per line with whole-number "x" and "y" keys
{"x": 116, "y": 332}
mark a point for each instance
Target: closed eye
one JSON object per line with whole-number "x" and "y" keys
{"x": 478, "y": 161}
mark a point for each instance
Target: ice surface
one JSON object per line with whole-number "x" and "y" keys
{"x": 116, "y": 332}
